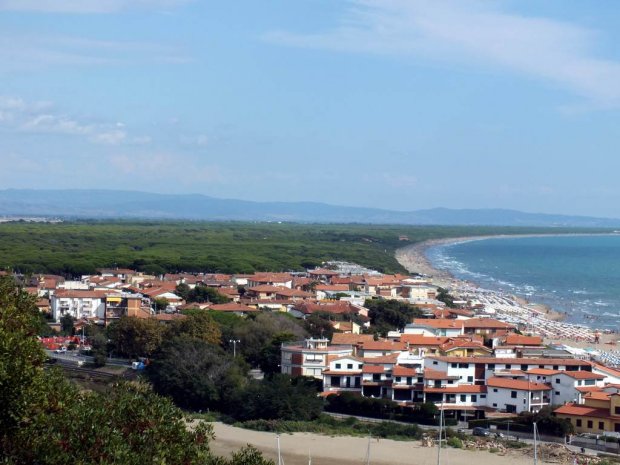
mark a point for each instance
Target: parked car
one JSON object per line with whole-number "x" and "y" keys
{"x": 61, "y": 350}
{"x": 478, "y": 431}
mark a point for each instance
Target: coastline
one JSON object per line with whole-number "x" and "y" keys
{"x": 517, "y": 309}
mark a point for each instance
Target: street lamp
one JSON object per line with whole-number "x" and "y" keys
{"x": 234, "y": 343}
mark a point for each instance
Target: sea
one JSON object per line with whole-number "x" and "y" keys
{"x": 578, "y": 275}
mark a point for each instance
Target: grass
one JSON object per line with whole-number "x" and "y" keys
{"x": 76, "y": 248}
{"x": 332, "y": 427}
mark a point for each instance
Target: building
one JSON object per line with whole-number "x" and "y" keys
{"x": 343, "y": 374}
{"x": 599, "y": 413}
{"x": 311, "y": 357}
{"x": 517, "y": 395}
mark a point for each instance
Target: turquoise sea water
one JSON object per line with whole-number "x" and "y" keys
{"x": 579, "y": 275}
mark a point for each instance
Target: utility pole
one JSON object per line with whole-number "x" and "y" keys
{"x": 234, "y": 343}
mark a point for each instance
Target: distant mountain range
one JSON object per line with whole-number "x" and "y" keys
{"x": 108, "y": 204}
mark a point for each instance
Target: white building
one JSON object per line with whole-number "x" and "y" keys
{"x": 517, "y": 395}
{"x": 78, "y": 303}
{"x": 343, "y": 374}
{"x": 311, "y": 357}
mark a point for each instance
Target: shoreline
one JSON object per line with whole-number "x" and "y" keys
{"x": 516, "y": 309}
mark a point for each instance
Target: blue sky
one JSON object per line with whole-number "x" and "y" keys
{"x": 400, "y": 104}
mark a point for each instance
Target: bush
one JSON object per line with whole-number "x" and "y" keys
{"x": 455, "y": 442}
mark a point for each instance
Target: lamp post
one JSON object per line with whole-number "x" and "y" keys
{"x": 234, "y": 343}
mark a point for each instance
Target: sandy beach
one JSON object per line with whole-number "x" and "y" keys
{"x": 348, "y": 450}
{"x": 532, "y": 316}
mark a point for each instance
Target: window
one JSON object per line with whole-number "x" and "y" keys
{"x": 338, "y": 365}
{"x": 435, "y": 362}
{"x": 508, "y": 366}
{"x": 524, "y": 367}
{"x": 555, "y": 367}
{"x": 483, "y": 396}
{"x": 494, "y": 390}
{"x": 474, "y": 398}
{"x": 398, "y": 379}
{"x": 494, "y": 405}
{"x": 463, "y": 365}
{"x": 450, "y": 381}
{"x": 491, "y": 366}
{"x": 590, "y": 424}
{"x": 557, "y": 393}
{"x": 601, "y": 425}
{"x": 463, "y": 398}
{"x": 589, "y": 382}
{"x": 616, "y": 410}
{"x": 454, "y": 365}
{"x": 359, "y": 366}
{"x": 513, "y": 394}
{"x": 557, "y": 381}
{"x": 349, "y": 366}
{"x": 578, "y": 422}
{"x": 470, "y": 379}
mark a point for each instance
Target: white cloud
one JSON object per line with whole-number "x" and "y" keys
{"x": 19, "y": 52}
{"x": 40, "y": 117}
{"x": 473, "y": 33}
{"x": 88, "y": 6}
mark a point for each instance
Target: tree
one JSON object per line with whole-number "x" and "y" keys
{"x": 270, "y": 356}
{"x": 199, "y": 324}
{"x": 21, "y": 355}
{"x": 280, "y": 397}
{"x": 195, "y": 374}
{"x": 45, "y": 419}
{"x": 445, "y": 297}
{"x": 161, "y": 304}
{"x": 258, "y": 332}
{"x": 388, "y": 315}
{"x": 201, "y": 293}
{"x": 135, "y": 337}
{"x": 67, "y": 327}
{"x": 319, "y": 324}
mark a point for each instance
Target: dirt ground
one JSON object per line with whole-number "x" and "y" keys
{"x": 348, "y": 450}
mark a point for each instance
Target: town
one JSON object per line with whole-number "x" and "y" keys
{"x": 472, "y": 362}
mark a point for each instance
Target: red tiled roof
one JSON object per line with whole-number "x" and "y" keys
{"x": 597, "y": 395}
{"x": 520, "y": 340}
{"x": 232, "y": 307}
{"x": 332, "y": 287}
{"x": 486, "y": 323}
{"x": 439, "y": 323}
{"x": 384, "y": 345}
{"x": 343, "y": 338}
{"x": 582, "y": 411}
{"x": 583, "y": 375}
{"x": 384, "y": 359}
{"x": 517, "y": 384}
{"x": 400, "y": 370}
{"x": 373, "y": 369}
{"x": 544, "y": 371}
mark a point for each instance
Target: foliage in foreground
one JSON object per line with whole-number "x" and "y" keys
{"x": 44, "y": 419}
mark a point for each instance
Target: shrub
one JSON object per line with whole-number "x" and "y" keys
{"x": 455, "y": 442}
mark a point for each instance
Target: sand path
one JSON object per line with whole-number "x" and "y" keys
{"x": 348, "y": 450}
